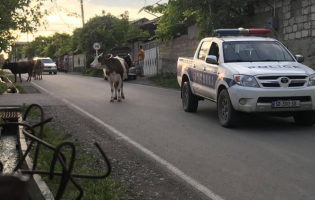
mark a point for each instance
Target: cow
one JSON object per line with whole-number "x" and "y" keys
{"x": 116, "y": 70}
{"x": 20, "y": 68}
{"x": 38, "y": 69}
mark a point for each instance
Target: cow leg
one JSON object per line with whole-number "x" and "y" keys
{"x": 122, "y": 90}
{"x": 15, "y": 78}
{"x": 20, "y": 78}
{"x": 111, "y": 83}
{"x": 119, "y": 89}
{"x": 116, "y": 86}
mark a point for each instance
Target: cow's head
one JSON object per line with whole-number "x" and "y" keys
{"x": 105, "y": 60}
{"x": 6, "y": 65}
{"x": 96, "y": 64}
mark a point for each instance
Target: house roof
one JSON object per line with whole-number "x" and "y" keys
{"x": 139, "y": 20}
{"x": 20, "y": 43}
{"x": 150, "y": 22}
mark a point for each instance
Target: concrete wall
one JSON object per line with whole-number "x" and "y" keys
{"x": 183, "y": 46}
{"x": 79, "y": 63}
{"x": 296, "y": 25}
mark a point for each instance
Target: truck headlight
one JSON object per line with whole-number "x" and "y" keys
{"x": 311, "y": 81}
{"x": 247, "y": 81}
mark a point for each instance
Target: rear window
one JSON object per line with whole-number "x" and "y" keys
{"x": 47, "y": 60}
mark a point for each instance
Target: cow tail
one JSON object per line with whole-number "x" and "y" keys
{"x": 126, "y": 70}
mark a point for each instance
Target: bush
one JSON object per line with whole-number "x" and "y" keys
{"x": 3, "y": 88}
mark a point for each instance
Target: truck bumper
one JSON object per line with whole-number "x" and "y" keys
{"x": 260, "y": 99}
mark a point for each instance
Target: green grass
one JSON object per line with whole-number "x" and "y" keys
{"x": 35, "y": 112}
{"x": 2, "y": 72}
{"x": 3, "y": 88}
{"x": 94, "y": 189}
{"x": 11, "y": 78}
{"x": 167, "y": 81}
{"x": 21, "y": 89}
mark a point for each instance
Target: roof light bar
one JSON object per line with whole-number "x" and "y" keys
{"x": 240, "y": 31}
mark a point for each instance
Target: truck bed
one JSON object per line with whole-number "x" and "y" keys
{"x": 186, "y": 59}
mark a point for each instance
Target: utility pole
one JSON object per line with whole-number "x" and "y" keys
{"x": 82, "y": 13}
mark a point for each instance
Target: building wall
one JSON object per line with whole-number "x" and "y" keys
{"x": 79, "y": 63}
{"x": 296, "y": 25}
{"x": 184, "y": 46}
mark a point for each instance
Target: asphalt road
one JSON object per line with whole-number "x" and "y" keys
{"x": 264, "y": 158}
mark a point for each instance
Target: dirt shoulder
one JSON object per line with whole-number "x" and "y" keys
{"x": 144, "y": 177}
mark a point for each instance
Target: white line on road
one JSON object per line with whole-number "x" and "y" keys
{"x": 41, "y": 87}
{"x": 157, "y": 158}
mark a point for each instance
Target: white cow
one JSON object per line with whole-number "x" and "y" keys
{"x": 116, "y": 70}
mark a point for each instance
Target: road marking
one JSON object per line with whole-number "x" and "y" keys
{"x": 160, "y": 160}
{"x": 41, "y": 87}
{"x": 65, "y": 101}
{"x": 206, "y": 191}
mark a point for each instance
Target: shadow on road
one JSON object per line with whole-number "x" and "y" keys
{"x": 254, "y": 123}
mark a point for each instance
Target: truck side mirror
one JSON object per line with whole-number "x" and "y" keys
{"x": 299, "y": 58}
{"x": 212, "y": 60}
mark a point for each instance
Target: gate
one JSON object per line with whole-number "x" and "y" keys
{"x": 151, "y": 51}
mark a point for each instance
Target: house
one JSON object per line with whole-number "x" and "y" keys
{"x": 150, "y": 46}
{"x": 291, "y": 22}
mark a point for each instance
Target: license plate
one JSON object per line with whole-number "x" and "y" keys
{"x": 285, "y": 104}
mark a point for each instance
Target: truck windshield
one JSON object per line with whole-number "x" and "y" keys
{"x": 255, "y": 51}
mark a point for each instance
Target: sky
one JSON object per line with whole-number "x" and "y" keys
{"x": 60, "y": 22}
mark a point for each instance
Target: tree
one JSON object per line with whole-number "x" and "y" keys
{"x": 109, "y": 31}
{"x": 208, "y": 15}
{"x": 47, "y": 46}
{"x": 18, "y": 16}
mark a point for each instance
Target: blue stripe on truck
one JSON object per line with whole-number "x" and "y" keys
{"x": 207, "y": 79}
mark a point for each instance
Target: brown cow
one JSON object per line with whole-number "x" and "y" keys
{"x": 20, "y": 68}
{"x": 38, "y": 69}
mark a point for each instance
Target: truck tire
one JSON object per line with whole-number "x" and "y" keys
{"x": 227, "y": 115}
{"x": 305, "y": 118}
{"x": 189, "y": 100}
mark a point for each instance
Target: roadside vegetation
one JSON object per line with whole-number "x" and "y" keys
{"x": 167, "y": 81}
{"x": 86, "y": 163}
{"x": 93, "y": 72}
{"x": 21, "y": 89}
{"x": 18, "y": 86}
{"x": 3, "y": 88}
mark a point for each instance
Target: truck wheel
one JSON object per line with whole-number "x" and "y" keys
{"x": 305, "y": 118}
{"x": 189, "y": 100}
{"x": 226, "y": 113}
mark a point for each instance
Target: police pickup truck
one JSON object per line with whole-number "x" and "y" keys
{"x": 247, "y": 74}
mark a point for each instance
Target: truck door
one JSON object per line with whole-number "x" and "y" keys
{"x": 198, "y": 67}
{"x": 210, "y": 74}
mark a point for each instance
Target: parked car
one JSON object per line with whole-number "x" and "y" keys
{"x": 247, "y": 74}
{"x": 124, "y": 52}
{"x": 49, "y": 65}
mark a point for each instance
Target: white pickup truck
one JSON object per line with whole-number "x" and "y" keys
{"x": 247, "y": 74}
